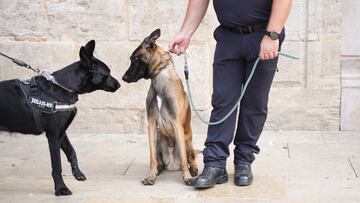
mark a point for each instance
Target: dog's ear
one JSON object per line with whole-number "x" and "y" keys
{"x": 90, "y": 47}
{"x": 85, "y": 57}
{"x": 149, "y": 41}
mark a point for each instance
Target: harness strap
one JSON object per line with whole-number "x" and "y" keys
{"x": 37, "y": 115}
{"x": 34, "y": 88}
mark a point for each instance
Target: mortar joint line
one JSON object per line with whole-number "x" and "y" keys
{"x": 352, "y": 167}
{"x": 288, "y": 150}
{"x": 128, "y": 167}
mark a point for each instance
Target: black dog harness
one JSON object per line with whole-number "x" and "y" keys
{"x": 36, "y": 99}
{"x": 40, "y": 102}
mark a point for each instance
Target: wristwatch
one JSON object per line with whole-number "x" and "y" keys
{"x": 273, "y": 35}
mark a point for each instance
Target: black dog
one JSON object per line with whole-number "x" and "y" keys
{"x": 47, "y": 106}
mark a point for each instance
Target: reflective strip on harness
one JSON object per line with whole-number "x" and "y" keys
{"x": 64, "y": 107}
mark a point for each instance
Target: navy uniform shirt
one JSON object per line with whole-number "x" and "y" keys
{"x": 242, "y": 12}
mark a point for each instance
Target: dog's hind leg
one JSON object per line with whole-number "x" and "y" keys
{"x": 160, "y": 164}
{"x": 72, "y": 158}
{"x": 190, "y": 151}
{"x": 180, "y": 140}
{"x": 191, "y": 158}
{"x": 54, "y": 141}
{"x": 189, "y": 146}
{"x": 160, "y": 155}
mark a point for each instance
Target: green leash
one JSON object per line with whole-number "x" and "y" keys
{"x": 243, "y": 89}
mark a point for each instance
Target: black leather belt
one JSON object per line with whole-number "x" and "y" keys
{"x": 247, "y": 29}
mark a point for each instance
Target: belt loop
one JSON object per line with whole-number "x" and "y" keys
{"x": 250, "y": 29}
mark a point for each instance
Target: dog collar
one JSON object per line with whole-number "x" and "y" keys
{"x": 52, "y": 79}
{"x": 158, "y": 70}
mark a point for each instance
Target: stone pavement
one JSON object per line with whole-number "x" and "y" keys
{"x": 293, "y": 166}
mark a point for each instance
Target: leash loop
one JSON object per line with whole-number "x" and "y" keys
{"x": 242, "y": 93}
{"x": 44, "y": 73}
{"x": 21, "y": 63}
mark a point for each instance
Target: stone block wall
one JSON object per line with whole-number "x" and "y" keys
{"x": 350, "y": 67}
{"x": 49, "y": 33}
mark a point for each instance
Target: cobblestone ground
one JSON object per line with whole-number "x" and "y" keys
{"x": 292, "y": 167}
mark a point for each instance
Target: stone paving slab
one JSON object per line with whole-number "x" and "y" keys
{"x": 300, "y": 189}
{"x": 263, "y": 187}
{"x": 309, "y": 137}
{"x": 351, "y": 138}
{"x": 293, "y": 166}
{"x": 325, "y": 151}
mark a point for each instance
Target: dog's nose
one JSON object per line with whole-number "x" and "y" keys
{"x": 125, "y": 78}
{"x": 117, "y": 85}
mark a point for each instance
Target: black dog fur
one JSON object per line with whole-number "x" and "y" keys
{"x": 85, "y": 76}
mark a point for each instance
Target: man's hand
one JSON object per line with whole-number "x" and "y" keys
{"x": 194, "y": 14}
{"x": 180, "y": 43}
{"x": 279, "y": 13}
{"x": 269, "y": 48}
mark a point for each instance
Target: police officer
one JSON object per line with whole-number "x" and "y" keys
{"x": 248, "y": 29}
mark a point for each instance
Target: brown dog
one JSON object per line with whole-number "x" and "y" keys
{"x": 168, "y": 111}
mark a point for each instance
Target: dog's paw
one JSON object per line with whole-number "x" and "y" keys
{"x": 63, "y": 191}
{"x": 193, "y": 171}
{"x": 189, "y": 182}
{"x": 78, "y": 175}
{"x": 148, "y": 181}
{"x": 160, "y": 168}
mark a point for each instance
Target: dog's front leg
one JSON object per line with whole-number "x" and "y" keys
{"x": 54, "y": 141}
{"x": 180, "y": 140}
{"x": 72, "y": 159}
{"x": 153, "y": 136}
{"x": 152, "y": 112}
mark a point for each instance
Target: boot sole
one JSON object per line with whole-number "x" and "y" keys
{"x": 219, "y": 180}
{"x": 244, "y": 183}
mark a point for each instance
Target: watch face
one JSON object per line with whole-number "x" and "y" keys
{"x": 274, "y": 35}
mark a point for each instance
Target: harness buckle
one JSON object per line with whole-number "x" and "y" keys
{"x": 54, "y": 110}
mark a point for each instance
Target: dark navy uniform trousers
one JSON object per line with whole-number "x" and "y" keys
{"x": 234, "y": 58}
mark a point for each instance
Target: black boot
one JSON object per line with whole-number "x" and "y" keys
{"x": 243, "y": 174}
{"x": 210, "y": 177}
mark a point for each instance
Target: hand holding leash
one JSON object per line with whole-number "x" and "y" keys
{"x": 179, "y": 44}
